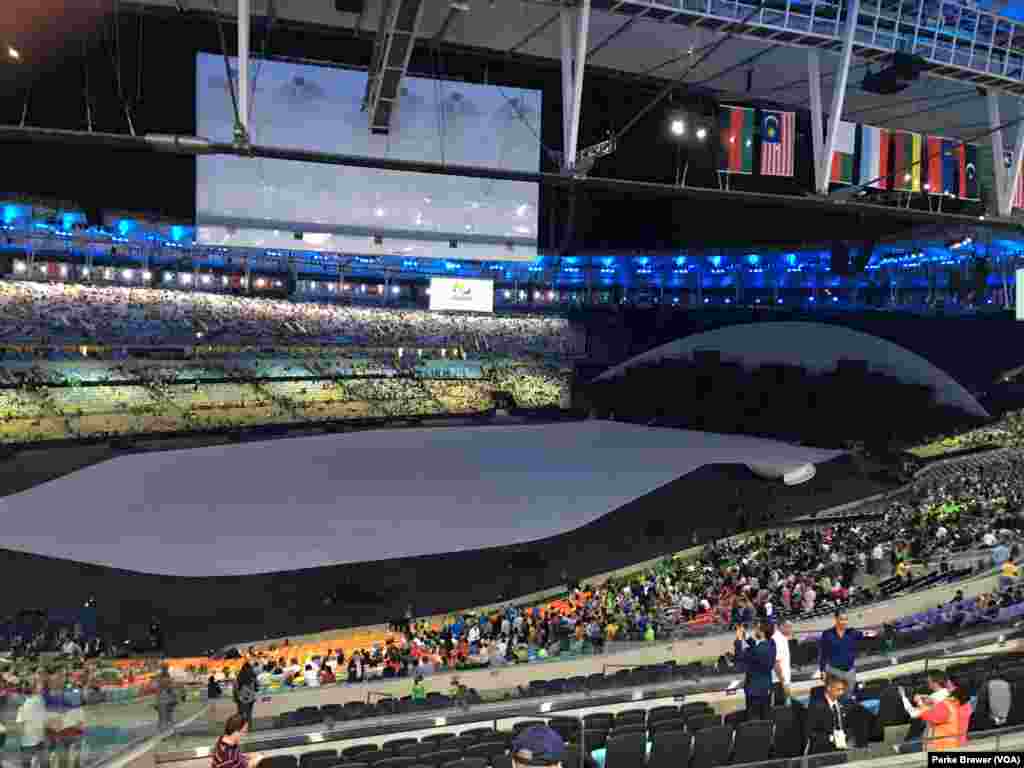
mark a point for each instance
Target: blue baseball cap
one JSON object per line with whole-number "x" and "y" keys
{"x": 538, "y": 746}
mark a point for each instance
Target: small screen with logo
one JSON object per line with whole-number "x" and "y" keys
{"x": 456, "y": 293}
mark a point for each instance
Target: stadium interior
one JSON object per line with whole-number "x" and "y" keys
{"x": 565, "y": 384}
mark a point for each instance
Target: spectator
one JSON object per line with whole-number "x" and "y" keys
{"x": 826, "y": 729}
{"x": 782, "y": 674}
{"x": 1009, "y": 572}
{"x": 327, "y": 675}
{"x": 933, "y": 711}
{"x": 537, "y": 747}
{"x": 246, "y": 688}
{"x": 32, "y": 718}
{"x": 227, "y": 753}
{"x": 755, "y": 655}
{"x": 213, "y": 689}
{"x": 838, "y": 650}
{"x": 310, "y": 677}
{"x": 167, "y": 697}
{"x": 419, "y": 690}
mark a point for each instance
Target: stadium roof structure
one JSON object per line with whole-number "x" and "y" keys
{"x": 762, "y": 53}
{"x": 316, "y": 501}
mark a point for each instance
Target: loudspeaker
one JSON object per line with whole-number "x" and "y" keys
{"x": 840, "y": 258}
{"x": 453, "y": 243}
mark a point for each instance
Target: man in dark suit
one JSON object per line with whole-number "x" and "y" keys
{"x": 826, "y": 730}
{"x": 755, "y": 655}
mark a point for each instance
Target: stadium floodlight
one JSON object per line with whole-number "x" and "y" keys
{"x": 702, "y": 133}
{"x": 20, "y": 267}
{"x": 147, "y": 275}
{"x": 127, "y": 274}
{"x": 13, "y": 53}
{"x": 677, "y": 126}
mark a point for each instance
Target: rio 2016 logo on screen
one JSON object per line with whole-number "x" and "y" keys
{"x": 461, "y": 294}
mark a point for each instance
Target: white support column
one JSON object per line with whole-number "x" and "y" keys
{"x": 244, "y": 12}
{"x": 817, "y": 133}
{"x": 567, "y": 88}
{"x": 998, "y": 159}
{"x": 582, "y": 37}
{"x": 1013, "y": 177}
{"x": 822, "y": 167}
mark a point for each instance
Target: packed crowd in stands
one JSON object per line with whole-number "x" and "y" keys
{"x": 967, "y": 516}
{"x": 67, "y": 313}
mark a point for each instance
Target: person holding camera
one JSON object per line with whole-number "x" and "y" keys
{"x": 755, "y": 655}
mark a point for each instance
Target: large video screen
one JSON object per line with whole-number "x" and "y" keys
{"x": 320, "y": 108}
{"x": 456, "y": 293}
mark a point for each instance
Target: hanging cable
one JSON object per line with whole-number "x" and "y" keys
{"x": 227, "y": 66}
{"x": 708, "y": 51}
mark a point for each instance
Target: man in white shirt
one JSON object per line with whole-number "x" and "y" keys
{"x": 782, "y": 675}
{"x": 32, "y": 718}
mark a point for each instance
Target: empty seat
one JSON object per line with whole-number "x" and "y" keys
{"x": 441, "y": 757}
{"x": 467, "y": 762}
{"x": 436, "y": 738}
{"x": 598, "y": 721}
{"x": 317, "y": 755}
{"x": 625, "y": 730}
{"x": 671, "y": 750}
{"x": 417, "y": 750}
{"x": 629, "y": 751}
{"x": 630, "y": 717}
{"x": 753, "y": 741}
{"x": 666, "y": 726}
{"x": 396, "y": 762}
{"x": 458, "y": 742}
{"x": 280, "y": 761}
{"x": 701, "y": 722}
{"x": 594, "y": 740}
{"x": 522, "y": 725}
{"x": 486, "y": 749}
{"x": 396, "y": 744}
{"x": 501, "y": 761}
{"x": 350, "y": 753}
{"x": 788, "y": 736}
{"x": 660, "y": 714}
{"x": 480, "y": 734}
{"x": 712, "y": 747}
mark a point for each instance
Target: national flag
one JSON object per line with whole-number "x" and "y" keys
{"x": 778, "y": 130}
{"x": 737, "y": 151}
{"x": 1018, "y": 190}
{"x": 942, "y": 165}
{"x": 967, "y": 161}
{"x": 906, "y": 161}
{"x": 843, "y": 156}
{"x": 875, "y": 159}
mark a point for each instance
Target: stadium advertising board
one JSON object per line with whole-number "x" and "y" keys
{"x": 456, "y": 293}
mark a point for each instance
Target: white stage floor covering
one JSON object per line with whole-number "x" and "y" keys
{"x": 314, "y": 501}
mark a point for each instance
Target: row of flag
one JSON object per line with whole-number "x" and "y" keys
{"x": 777, "y": 134}
{"x": 878, "y": 158}
{"x": 904, "y": 161}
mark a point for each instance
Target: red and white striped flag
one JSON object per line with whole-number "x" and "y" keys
{"x": 778, "y": 130}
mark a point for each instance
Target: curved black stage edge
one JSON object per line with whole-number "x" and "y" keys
{"x": 199, "y": 614}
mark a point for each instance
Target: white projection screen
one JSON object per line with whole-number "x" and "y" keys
{"x": 455, "y": 293}
{"x": 252, "y": 202}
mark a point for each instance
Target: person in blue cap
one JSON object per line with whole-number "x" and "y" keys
{"x": 538, "y": 747}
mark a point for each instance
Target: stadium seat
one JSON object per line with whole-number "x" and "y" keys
{"x": 753, "y": 741}
{"x": 396, "y": 762}
{"x": 486, "y": 749}
{"x": 481, "y": 734}
{"x": 320, "y": 762}
{"x": 788, "y": 735}
{"x": 281, "y": 761}
{"x": 629, "y": 751}
{"x": 660, "y": 714}
{"x": 317, "y": 755}
{"x": 598, "y": 721}
{"x": 667, "y": 726}
{"x": 702, "y": 722}
{"x": 735, "y": 719}
{"x": 351, "y": 753}
{"x": 671, "y": 750}
{"x": 628, "y": 730}
{"x": 712, "y": 747}
{"x": 458, "y": 742}
{"x": 396, "y": 744}
{"x": 441, "y": 757}
{"x": 629, "y": 717}
{"x": 594, "y": 740}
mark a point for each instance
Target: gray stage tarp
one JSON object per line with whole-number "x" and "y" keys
{"x": 313, "y": 501}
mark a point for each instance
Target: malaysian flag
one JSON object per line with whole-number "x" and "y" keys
{"x": 777, "y": 132}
